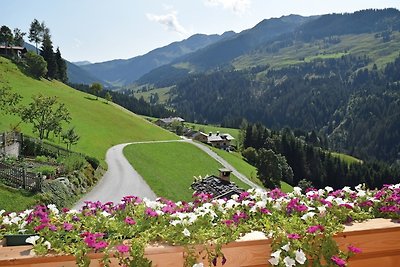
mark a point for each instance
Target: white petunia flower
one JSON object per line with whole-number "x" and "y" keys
{"x": 6, "y": 221}
{"x": 286, "y": 247}
{"x": 72, "y": 211}
{"x": 47, "y": 244}
{"x": 276, "y": 254}
{"x": 328, "y": 189}
{"x": 1, "y": 212}
{"x": 274, "y": 261}
{"x": 289, "y": 262}
{"x": 308, "y": 215}
{"x": 300, "y": 256}
{"x": 297, "y": 190}
{"x": 32, "y": 239}
{"x": 105, "y": 213}
{"x": 198, "y": 265}
{"x": 186, "y": 232}
{"x": 15, "y": 220}
{"x": 53, "y": 208}
{"x": 322, "y": 209}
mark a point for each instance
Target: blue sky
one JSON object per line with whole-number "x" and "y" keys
{"x": 101, "y": 30}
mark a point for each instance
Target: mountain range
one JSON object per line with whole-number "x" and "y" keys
{"x": 121, "y": 72}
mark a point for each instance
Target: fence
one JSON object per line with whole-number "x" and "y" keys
{"x": 18, "y": 177}
{"x": 32, "y": 147}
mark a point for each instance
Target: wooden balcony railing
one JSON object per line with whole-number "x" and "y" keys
{"x": 379, "y": 240}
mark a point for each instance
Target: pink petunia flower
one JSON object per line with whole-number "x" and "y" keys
{"x": 129, "y": 220}
{"x": 293, "y": 236}
{"x": 315, "y": 228}
{"x": 67, "y": 226}
{"x": 338, "y": 261}
{"x": 353, "y": 249}
{"x": 122, "y": 248}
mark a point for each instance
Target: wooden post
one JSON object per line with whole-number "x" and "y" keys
{"x": 23, "y": 178}
{"x": 39, "y": 182}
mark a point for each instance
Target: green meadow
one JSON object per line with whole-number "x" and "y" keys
{"x": 99, "y": 125}
{"x": 170, "y": 168}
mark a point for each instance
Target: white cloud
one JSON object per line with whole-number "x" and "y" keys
{"x": 169, "y": 21}
{"x": 77, "y": 43}
{"x": 237, "y": 6}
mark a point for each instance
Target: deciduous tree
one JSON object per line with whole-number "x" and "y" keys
{"x": 8, "y": 100}
{"x": 37, "y": 66}
{"x": 96, "y": 89}
{"x": 46, "y": 114}
{"x": 70, "y": 137}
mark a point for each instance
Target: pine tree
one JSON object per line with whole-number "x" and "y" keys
{"x": 48, "y": 54}
{"x": 61, "y": 67}
{"x": 36, "y": 33}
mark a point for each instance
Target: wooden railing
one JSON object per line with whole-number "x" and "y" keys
{"x": 379, "y": 240}
{"x": 18, "y": 177}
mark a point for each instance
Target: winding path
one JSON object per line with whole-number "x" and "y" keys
{"x": 122, "y": 180}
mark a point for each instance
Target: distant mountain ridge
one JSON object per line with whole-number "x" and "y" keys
{"x": 127, "y": 71}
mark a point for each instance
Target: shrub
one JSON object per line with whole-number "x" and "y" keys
{"x": 41, "y": 159}
{"x": 49, "y": 171}
{"x": 93, "y": 161}
{"x": 74, "y": 163}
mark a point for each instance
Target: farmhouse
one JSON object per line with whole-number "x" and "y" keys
{"x": 168, "y": 121}
{"x": 10, "y": 50}
{"x": 219, "y": 140}
{"x": 219, "y": 187}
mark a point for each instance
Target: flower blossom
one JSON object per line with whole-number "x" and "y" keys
{"x": 300, "y": 256}
{"x": 338, "y": 261}
{"x": 293, "y": 236}
{"x": 186, "y": 232}
{"x": 32, "y": 239}
{"x": 289, "y": 262}
{"x": 129, "y": 220}
{"x": 315, "y": 228}
{"x": 353, "y": 249}
{"x": 122, "y": 248}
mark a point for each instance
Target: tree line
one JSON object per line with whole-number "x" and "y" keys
{"x": 280, "y": 155}
{"x": 126, "y": 100}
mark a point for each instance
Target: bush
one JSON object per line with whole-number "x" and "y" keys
{"x": 49, "y": 171}
{"x": 37, "y": 66}
{"x": 42, "y": 159}
{"x": 93, "y": 161}
{"x": 74, "y": 163}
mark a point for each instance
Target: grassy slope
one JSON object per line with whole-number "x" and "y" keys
{"x": 237, "y": 161}
{"x": 13, "y": 200}
{"x": 169, "y": 168}
{"x": 100, "y": 125}
{"x": 163, "y": 94}
{"x": 381, "y": 53}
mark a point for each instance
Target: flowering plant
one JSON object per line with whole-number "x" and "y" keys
{"x": 300, "y": 224}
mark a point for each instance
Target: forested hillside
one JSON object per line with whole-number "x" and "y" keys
{"x": 357, "y": 108}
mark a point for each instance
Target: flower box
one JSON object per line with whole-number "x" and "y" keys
{"x": 379, "y": 240}
{"x": 17, "y": 239}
